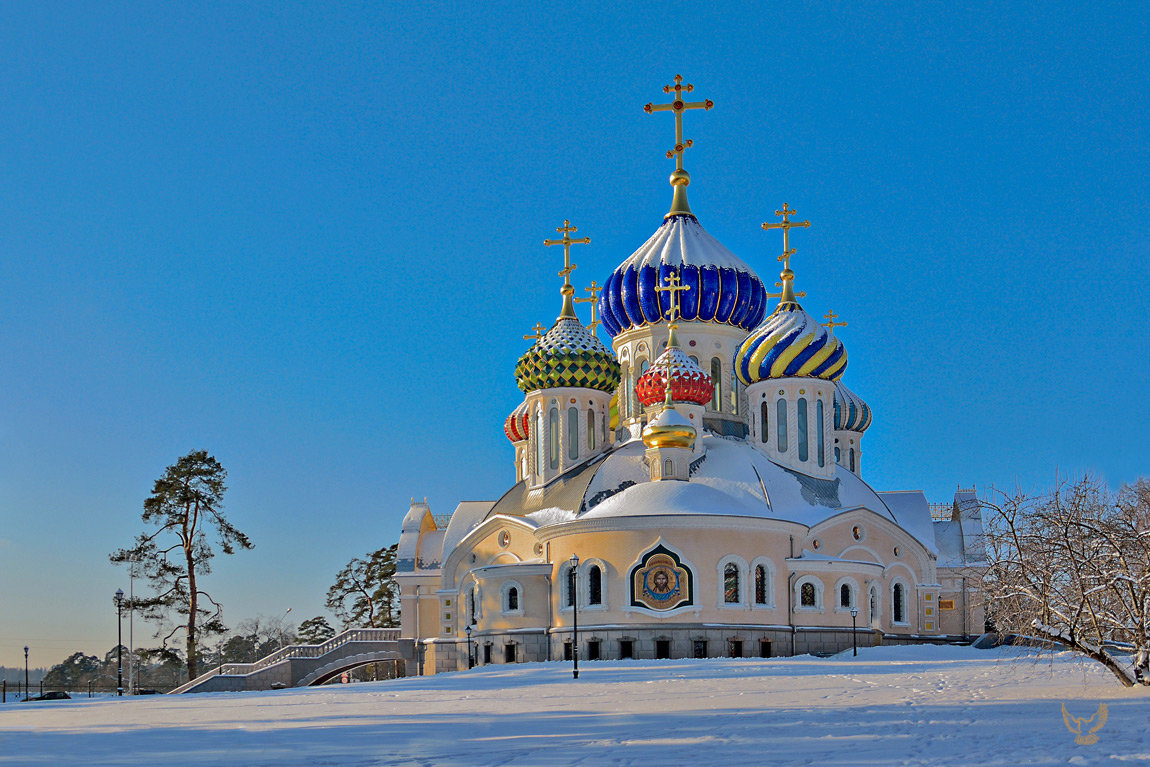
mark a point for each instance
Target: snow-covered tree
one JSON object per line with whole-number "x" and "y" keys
{"x": 315, "y": 630}
{"x": 1073, "y": 567}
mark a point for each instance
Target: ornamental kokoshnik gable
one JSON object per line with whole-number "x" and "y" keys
{"x": 705, "y": 470}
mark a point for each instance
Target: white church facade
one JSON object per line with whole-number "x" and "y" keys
{"x": 695, "y": 490}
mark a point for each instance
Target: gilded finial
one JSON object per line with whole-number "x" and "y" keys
{"x": 787, "y": 276}
{"x": 830, "y": 322}
{"x": 680, "y": 178}
{"x": 674, "y": 287}
{"x": 538, "y": 332}
{"x": 568, "y": 291}
{"x": 594, "y": 301}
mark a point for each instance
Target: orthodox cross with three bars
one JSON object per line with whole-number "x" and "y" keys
{"x": 538, "y": 332}
{"x": 678, "y": 106}
{"x": 567, "y": 242}
{"x": 674, "y": 288}
{"x": 830, "y": 322}
{"x": 786, "y": 226}
{"x": 594, "y": 301}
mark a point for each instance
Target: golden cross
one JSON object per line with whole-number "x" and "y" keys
{"x": 538, "y": 332}
{"x": 674, "y": 288}
{"x": 800, "y": 294}
{"x": 830, "y": 321}
{"x": 786, "y": 226}
{"x": 678, "y": 106}
{"x": 567, "y": 242}
{"x": 594, "y": 301}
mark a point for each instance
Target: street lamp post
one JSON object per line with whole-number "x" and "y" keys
{"x": 470, "y": 656}
{"x": 575, "y": 615}
{"x": 119, "y": 600}
{"x": 25, "y": 672}
{"x": 854, "y": 628}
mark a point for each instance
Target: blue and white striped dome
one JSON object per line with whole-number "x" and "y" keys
{"x": 851, "y": 413}
{"x": 723, "y": 288}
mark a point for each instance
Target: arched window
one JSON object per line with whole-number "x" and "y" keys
{"x": 594, "y": 585}
{"x": 802, "y": 428}
{"x": 845, "y": 595}
{"x": 852, "y": 459}
{"x": 898, "y": 609}
{"x": 553, "y": 438}
{"x": 512, "y": 599}
{"x": 808, "y": 597}
{"x": 668, "y": 467}
{"x": 471, "y": 607}
{"x": 819, "y": 425}
{"x": 760, "y": 585}
{"x": 572, "y": 433}
{"x": 540, "y": 442}
{"x": 736, "y": 394}
{"x": 591, "y": 430}
{"x": 731, "y": 583}
{"x": 764, "y": 433}
{"x": 624, "y": 397}
{"x": 838, "y": 458}
{"x": 717, "y": 380}
{"x": 873, "y": 616}
{"x": 781, "y": 424}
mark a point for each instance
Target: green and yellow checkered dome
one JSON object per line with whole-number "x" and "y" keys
{"x": 568, "y": 355}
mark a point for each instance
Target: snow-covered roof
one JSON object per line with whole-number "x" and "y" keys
{"x": 464, "y": 519}
{"x": 948, "y": 539}
{"x": 911, "y": 511}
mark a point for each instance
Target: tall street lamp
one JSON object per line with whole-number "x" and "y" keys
{"x": 575, "y": 615}
{"x": 470, "y": 657}
{"x": 119, "y": 600}
{"x": 25, "y": 672}
{"x": 854, "y": 628}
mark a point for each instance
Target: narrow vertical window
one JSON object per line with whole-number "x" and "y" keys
{"x": 471, "y": 607}
{"x": 760, "y": 585}
{"x": 807, "y": 595}
{"x": 570, "y": 601}
{"x": 852, "y": 459}
{"x": 845, "y": 595}
{"x": 802, "y": 436}
{"x": 553, "y": 438}
{"x": 838, "y": 458}
{"x": 764, "y": 431}
{"x": 736, "y": 393}
{"x": 572, "y": 433}
{"x": 540, "y": 442}
{"x": 717, "y": 380}
{"x": 819, "y": 425}
{"x": 781, "y": 424}
{"x": 624, "y": 395}
{"x": 899, "y": 606}
{"x": 594, "y": 586}
{"x": 731, "y": 583}
{"x": 512, "y": 598}
{"x": 591, "y": 430}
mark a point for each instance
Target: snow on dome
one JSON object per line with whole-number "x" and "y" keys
{"x": 723, "y": 288}
{"x": 688, "y": 381}
{"x": 851, "y": 413}
{"x": 790, "y": 344}
{"x": 515, "y": 427}
{"x": 568, "y": 355}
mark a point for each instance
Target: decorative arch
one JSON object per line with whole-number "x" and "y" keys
{"x": 511, "y": 598}
{"x": 661, "y": 581}
{"x": 852, "y": 594}
{"x": 585, "y": 586}
{"x": 732, "y": 570}
{"x": 808, "y": 588}
{"x": 767, "y": 589}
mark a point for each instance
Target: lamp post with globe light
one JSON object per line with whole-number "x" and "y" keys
{"x": 470, "y": 656}
{"x": 854, "y": 628}
{"x": 25, "y": 672}
{"x": 575, "y": 615}
{"x": 119, "y": 600}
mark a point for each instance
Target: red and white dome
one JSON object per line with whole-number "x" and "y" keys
{"x": 515, "y": 427}
{"x": 688, "y": 381}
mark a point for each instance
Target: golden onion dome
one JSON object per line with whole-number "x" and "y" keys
{"x": 670, "y": 429}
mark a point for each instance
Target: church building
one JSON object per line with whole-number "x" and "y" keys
{"x": 695, "y": 490}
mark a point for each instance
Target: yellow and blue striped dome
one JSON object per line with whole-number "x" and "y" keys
{"x": 568, "y": 355}
{"x": 851, "y": 413}
{"x": 790, "y": 344}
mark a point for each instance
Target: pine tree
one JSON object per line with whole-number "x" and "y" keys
{"x": 185, "y": 504}
{"x": 365, "y": 593}
{"x": 315, "y": 630}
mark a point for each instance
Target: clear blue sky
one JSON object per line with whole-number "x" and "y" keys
{"x": 308, "y": 237}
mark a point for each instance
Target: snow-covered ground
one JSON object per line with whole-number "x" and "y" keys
{"x": 890, "y": 706}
